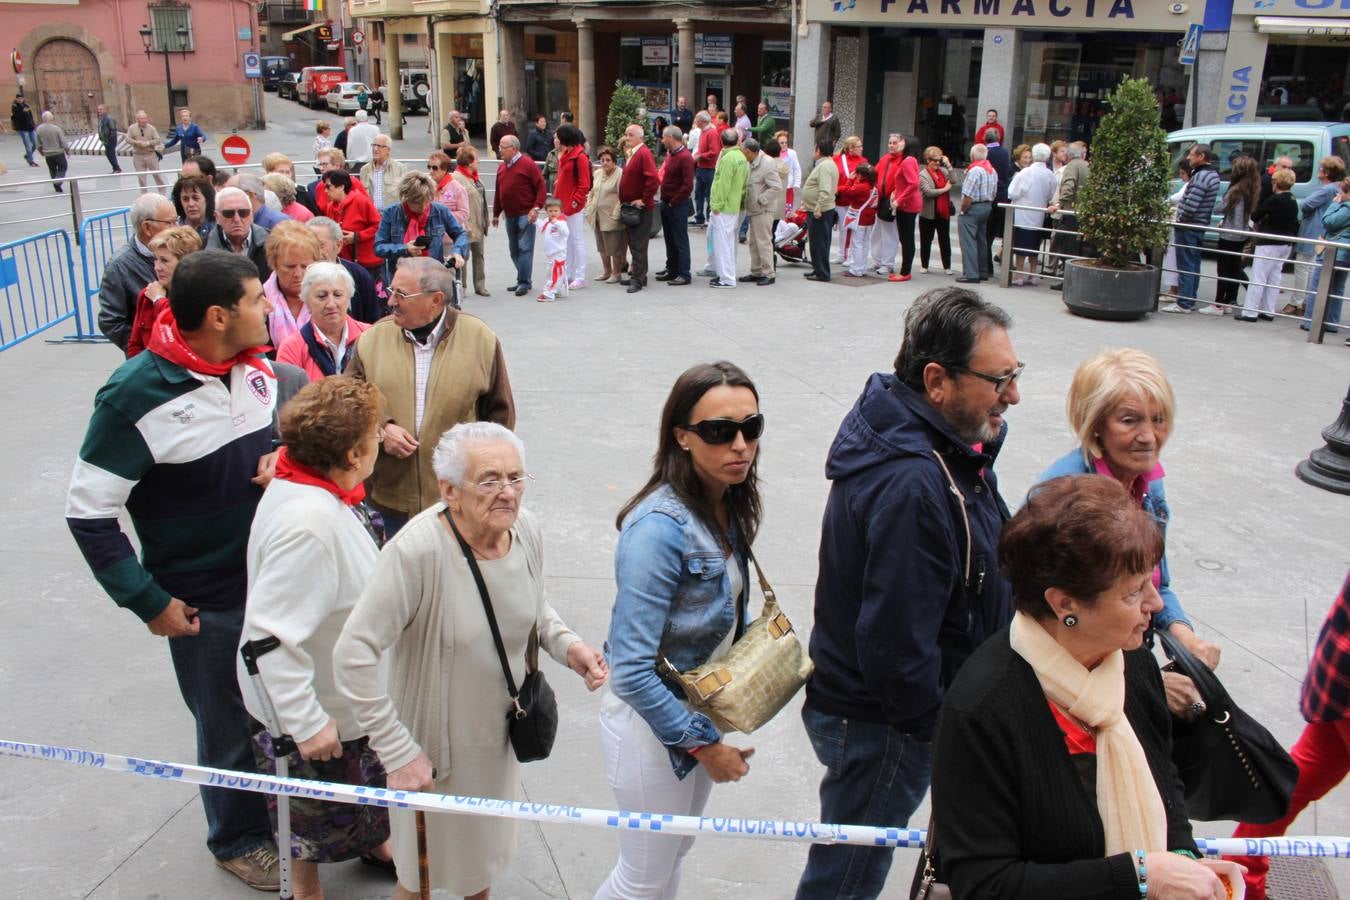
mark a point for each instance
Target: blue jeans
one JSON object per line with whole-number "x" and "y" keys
{"x": 520, "y": 240}
{"x": 703, "y": 179}
{"x": 874, "y": 775}
{"x": 675, "y": 230}
{"x": 971, "y": 226}
{"x": 236, "y": 821}
{"x": 29, "y": 144}
{"x": 1188, "y": 265}
{"x": 1334, "y": 299}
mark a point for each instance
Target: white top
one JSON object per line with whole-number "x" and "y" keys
{"x": 691, "y": 139}
{"x": 359, "y": 141}
{"x": 737, "y": 585}
{"x": 1033, "y": 186}
{"x": 794, "y": 170}
{"x": 309, "y": 558}
{"x": 554, "y": 236}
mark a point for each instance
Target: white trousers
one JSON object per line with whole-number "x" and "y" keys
{"x": 1267, "y": 266}
{"x": 723, "y": 230}
{"x": 885, "y": 244}
{"x": 576, "y": 247}
{"x": 857, "y": 251}
{"x": 650, "y": 863}
{"x": 1302, "y": 275}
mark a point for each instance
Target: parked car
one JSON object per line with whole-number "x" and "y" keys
{"x": 342, "y": 98}
{"x": 415, "y": 88}
{"x": 316, "y": 82}
{"x": 288, "y": 86}
{"x": 274, "y": 69}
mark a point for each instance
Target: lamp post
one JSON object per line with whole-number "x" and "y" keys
{"x": 148, "y": 39}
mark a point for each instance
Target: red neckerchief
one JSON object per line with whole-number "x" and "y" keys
{"x": 472, "y": 173}
{"x": 445, "y": 179}
{"x": 167, "y": 341}
{"x": 290, "y": 470}
{"x": 417, "y": 225}
{"x": 982, "y": 164}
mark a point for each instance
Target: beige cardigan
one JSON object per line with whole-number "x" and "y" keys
{"x": 603, "y": 203}
{"x": 405, "y": 606}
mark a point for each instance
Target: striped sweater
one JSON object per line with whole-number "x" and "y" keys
{"x": 177, "y": 451}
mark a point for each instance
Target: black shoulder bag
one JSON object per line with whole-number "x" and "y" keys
{"x": 533, "y": 722}
{"x": 1230, "y": 765}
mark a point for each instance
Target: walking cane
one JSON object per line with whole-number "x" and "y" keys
{"x": 423, "y": 869}
{"x": 282, "y": 745}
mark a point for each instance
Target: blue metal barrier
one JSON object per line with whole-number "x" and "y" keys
{"x": 37, "y": 280}
{"x": 101, "y": 238}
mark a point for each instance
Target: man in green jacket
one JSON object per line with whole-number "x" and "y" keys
{"x": 818, "y": 199}
{"x": 728, "y": 199}
{"x": 766, "y": 126}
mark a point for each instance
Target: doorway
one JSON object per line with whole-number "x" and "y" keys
{"x": 67, "y": 82}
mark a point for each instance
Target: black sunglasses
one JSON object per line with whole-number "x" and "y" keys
{"x": 723, "y": 431}
{"x": 231, "y": 213}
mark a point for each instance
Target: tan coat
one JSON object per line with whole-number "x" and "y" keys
{"x": 144, "y": 140}
{"x": 393, "y": 171}
{"x": 764, "y": 194}
{"x": 476, "y": 223}
{"x": 602, "y": 205}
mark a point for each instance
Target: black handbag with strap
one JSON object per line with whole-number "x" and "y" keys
{"x": 1230, "y": 765}
{"x": 630, "y": 215}
{"x": 532, "y": 722}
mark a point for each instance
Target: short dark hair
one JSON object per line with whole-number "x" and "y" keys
{"x": 1078, "y": 533}
{"x": 206, "y": 165}
{"x": 942, "y": 327}
{"x": 327, "y": 418}
{"x": 205, "y": 279}
{"x": 337, "y": 178}
{"x": 203, "y": 186}
{"x": 772, "y": 147}
{"x": 826, "y": 148}
{"x": 569, "y": 136}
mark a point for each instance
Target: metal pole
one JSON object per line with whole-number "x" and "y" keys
{"x": 1318, "y": 316}
{"x": 282, "y": 745}
{"x": 76, "y": 207}
{"x": 1006, "y": 262}
{"x": 168, "y": 86}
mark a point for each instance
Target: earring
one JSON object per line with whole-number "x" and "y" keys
{"x": 684, "y": 447}
{"x": 1070, "y": 620}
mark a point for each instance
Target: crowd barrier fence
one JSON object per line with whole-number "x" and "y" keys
{"x": 37, "y": 278}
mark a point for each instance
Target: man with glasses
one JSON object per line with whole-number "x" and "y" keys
{"x": 380, "y": 176}
{"x": 127, "y": 273}
{"x": 909, "y": 581}
{"x": 437, "y": 367}
{"x": 236, "y": 232}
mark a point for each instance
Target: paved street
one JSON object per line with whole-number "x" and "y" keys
{"x": 1256, "y": 555}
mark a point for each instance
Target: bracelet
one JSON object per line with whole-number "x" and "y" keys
{"x": 1143, "y": 873}
{"x": 695, "y": 751}
{"x": 1186, "y": 853}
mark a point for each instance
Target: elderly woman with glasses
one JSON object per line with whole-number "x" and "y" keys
{"x": 310, "y": 555}
{"x": 439, "y": 722}
{"x": 323, "y": 345}
{"x": 417, "y": 226}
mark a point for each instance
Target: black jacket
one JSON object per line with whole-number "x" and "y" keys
{"x": 1001, "y": 160}
{"x": 216, "y": 240}
{"x": 1012, "y": 815}
{"x": 1276, "y": 215}
{"x": 21, "y": 117}
{"x": 538, "y": 144}
{"x": 682, "y": 119}
{"x": 894, "y": 615}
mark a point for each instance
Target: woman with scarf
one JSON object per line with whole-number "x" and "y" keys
{"x": 310, "y": 554}
{"x": 935, "y": 218}
{"x": 291, "y": 249}
{"x": 169, "y": 246}
{"x": 475, "y": 220}
{"x": 448, "y": 191}
{"x": 351, "y": 207}
{"x": 572, "y": 188}
{"x": 323, "y": 345}
{"x": 1069, "y": 701}
{"x": 417, "y": 226}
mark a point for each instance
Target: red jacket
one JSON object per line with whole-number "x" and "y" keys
{"x": 709, "y": 146}
{"x": 519, "y": 189}
{"x": 639, "y": 179}
{"x": 677, "y": 177}
{"x": 574, "y": 179}
{"x": 989, "y": 134}
{"x": 905, "y": 187}
{"x": 858, "y": 195}
{"x": 846, "y": 174}
{"x": 321, "y": 202}
{"x": 143, "y": 321}
{"x": 358, "y": 214}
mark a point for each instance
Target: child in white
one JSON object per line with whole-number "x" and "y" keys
{"x": 862, "y": 218}
{"x": 553, "y": 233}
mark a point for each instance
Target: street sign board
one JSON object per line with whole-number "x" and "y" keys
{"x": 235, "y": 150}
{"x": 252, "y": 65}
{"x": 358, "y": 37}
{"x": 1190, "y": 47}
{"x": 16, "y": 61}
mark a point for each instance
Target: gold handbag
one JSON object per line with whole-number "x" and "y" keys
{"x": 758, "y": 676}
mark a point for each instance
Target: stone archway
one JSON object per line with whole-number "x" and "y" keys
{"x": 66, "y": 81}
{"x": 31, "y": 45}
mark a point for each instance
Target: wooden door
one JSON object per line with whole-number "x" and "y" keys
{"x": 67, "y": 82}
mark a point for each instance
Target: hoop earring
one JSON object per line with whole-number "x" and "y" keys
{"x": 1070, "y": 620}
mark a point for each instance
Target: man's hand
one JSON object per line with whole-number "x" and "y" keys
{"x": 725, "y": 762}
{"x": 533, "y": 216}
{"x": 589, "y": 663}
{"x": 413, "y": 249}
{"x": 398, "y": 442}
{"x": 496, "y": 220}
{"x": 324, "y": 745}
{"x": 267, "y": 467}
{"x": 417, "y": 775}
{"x": 818, "y": 214}
{"x": 638, "y": 203}
{"x": 176, "y": 620}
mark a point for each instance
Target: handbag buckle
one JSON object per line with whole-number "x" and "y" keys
{"x": 520, "y": 711}
{"x": 779, "y": 625}
{"x": 711, "y": 684}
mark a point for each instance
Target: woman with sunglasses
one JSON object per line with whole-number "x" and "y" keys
{"x": 681, "y": 568}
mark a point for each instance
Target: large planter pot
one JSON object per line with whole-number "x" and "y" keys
{"x": 1097, "y": 292}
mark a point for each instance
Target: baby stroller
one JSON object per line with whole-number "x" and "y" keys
{"x": 789, "y": 241}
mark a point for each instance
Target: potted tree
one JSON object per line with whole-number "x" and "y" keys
{"x": 1122, "y": 210}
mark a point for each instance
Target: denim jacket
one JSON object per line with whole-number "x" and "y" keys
{"x": 674, "y": 602}
{"x": 389, "y": 243}
{"x": 1075, "y": 462}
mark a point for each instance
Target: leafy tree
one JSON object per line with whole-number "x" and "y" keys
{"x": 623, "y": 111}
{"x": 1122, "y": 209}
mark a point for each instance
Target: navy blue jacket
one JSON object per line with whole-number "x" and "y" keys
{"x": 895, "y": 616}
{"x": 1001, "y": 160}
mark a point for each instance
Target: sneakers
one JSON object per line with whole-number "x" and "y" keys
{"x": 576, "y": 285}
{"x": 259, "y": 869}
{"x": 883, "y": 271}
{"x": 1175, "y": 308}
{"x": 721, "y": 284}
{"x": 1209, "y": 309}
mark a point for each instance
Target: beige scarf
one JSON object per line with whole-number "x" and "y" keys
{"x": 1127, "y": 797}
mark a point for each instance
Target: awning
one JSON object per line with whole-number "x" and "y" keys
{"x": 290, "y": 35}
{"x": 1300, "y": 27}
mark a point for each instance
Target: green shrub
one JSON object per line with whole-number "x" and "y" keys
{"x": 623, "y": 111}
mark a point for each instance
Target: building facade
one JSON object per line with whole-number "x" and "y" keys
{"x": 80, "y": 53}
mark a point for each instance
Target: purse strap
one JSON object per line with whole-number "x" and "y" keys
{"x": 491, "y": 616}
{"x": 770, "y": 598}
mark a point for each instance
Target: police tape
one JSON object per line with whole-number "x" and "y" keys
{"x": 766, "y": 829}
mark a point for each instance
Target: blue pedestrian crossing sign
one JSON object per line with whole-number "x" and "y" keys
{"x": 1190, "y": 47}
{"x": 252, "y": 65}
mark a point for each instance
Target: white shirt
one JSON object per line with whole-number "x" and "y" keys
{"x": 422, "y": 354}
{"x": 691, "y": 139}
{"x": 1033, "y": 186}
{"x": 339, "y": 350}
{"x": 794, "y": 170}
{"x": 554, "y": 237}
{"x": 359, "y": 141}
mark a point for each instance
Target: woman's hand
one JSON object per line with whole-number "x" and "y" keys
{"x": 1183, "y": 700}
{"x": 155, "y": 291}
{"x": 412, "y": 248}
{"x": 725, "y": 762}
{"x": 417, "y": 775}
{"x": 324, "y": 745}
{"x": 589, "y": 663}
{"x": 1172, "y": 876}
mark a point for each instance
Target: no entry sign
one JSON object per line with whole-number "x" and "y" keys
{"x": 235, "y": 150}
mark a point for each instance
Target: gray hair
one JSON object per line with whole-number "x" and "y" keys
{"x": 1040, "y": 153}
{"x": 730, "y": 136}
{"x": 450, "y": 459}
{"x": 227, "y": 192}
{"x": 333, "y": 228}
{"x": 751, "y": 145}
{"x": 1076, "y": 150}
{"x": 432, "y": 275}
{"x": 47, "y": 116}
{"x": 147, "y": 206}
{"x": 252, "y": 185}
{"x": 416, "y": 186}
{"x": 979, "y": 151}
{"x": 702, "y": 118}
{"x": 282, "y": 186}
{"x": 509, "y": 140}
{"x": 325, "y": 272}
{"x": 673, "y": 132}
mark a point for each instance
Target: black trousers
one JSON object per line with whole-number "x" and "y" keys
{"x": 904, "y": 224}
{"x": 675, "y": 230}
{"x": 638, "y": 237}
{"x": 942, "y": 228}
{"x": 1232, "y": 271}
{"x": 994, "y": 229}
{"x": 818, "y": 240}
{"x": 56, "y": 168}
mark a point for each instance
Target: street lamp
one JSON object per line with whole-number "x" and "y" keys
{"x": 148, "y": 39}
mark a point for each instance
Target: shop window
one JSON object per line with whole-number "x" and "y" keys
{"x": 645, "y": 63}
{"x": 775, "y": 84}
{"x": 546, "y": 88}
{"x": 546, "y": 44}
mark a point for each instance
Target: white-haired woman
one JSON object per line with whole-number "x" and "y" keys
{"x": 323, "y": 345}
{"x": 440, "y": 724}
{"x": 1033, "y": 187}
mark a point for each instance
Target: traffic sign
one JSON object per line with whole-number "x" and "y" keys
{"x": 358, "y": 37}
{"x": 252, "y": 65}
{"x": 1190, "y": 47}
{"x": 235, "y": 150}
{"x": 16, "y": 61}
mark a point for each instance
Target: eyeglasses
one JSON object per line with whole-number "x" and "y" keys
{"x": 163, "y": 221}
{"x": 1000, "y": 382}
{"x": 723, "y": 431}
{"x": 401, "y": 296}
{"x": 494, "y": 486}
{"x": 231, "y": 213}
{"x": 433, "y": 168}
